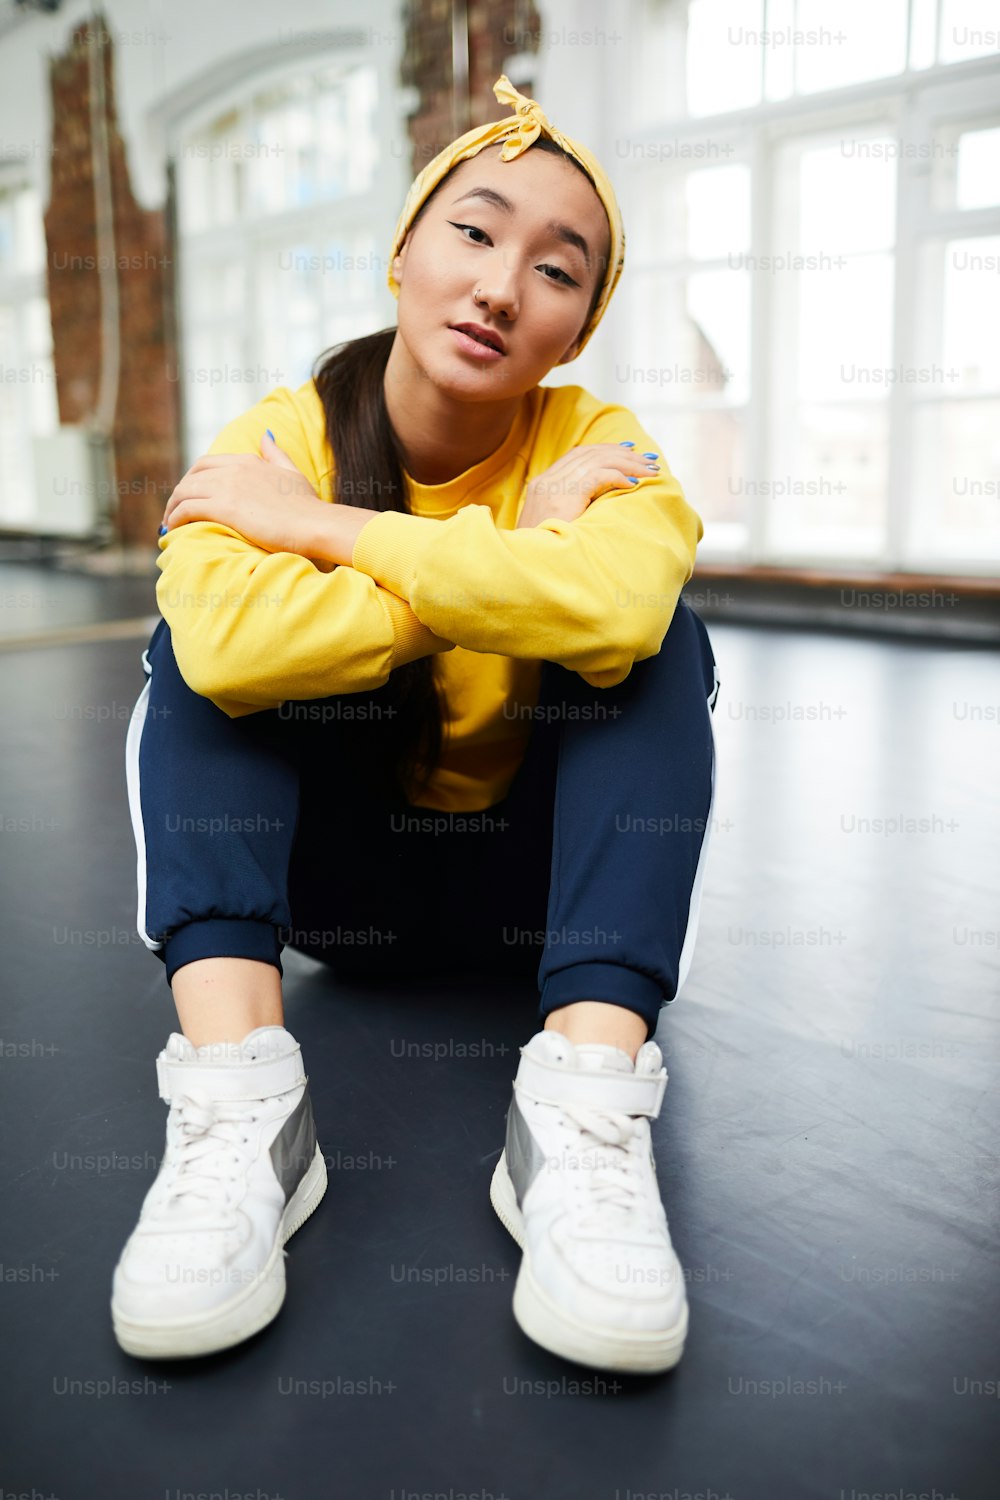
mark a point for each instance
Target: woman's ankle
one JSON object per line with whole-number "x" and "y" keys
{"x": 224, "y": 999}
{"x": 585, "y": 1021}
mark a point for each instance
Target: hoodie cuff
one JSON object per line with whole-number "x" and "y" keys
{"x": 391, "y": 546}
{"x": 411, "y": 638}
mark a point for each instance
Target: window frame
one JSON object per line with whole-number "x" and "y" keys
{"x": 241, "y": 240}
{"x": 18, "y": 289}
{"x": 917, "y": 100}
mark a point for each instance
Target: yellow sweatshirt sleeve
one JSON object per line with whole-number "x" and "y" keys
{"x": 596, "y": 594}
{"x": 252, "y": 628}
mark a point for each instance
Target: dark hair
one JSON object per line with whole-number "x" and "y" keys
{"x": 368, "y": 471}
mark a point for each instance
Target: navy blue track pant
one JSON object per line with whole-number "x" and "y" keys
{"x": 265, "y": 831}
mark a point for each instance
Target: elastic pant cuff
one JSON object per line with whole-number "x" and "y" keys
{"x": 611, "y": 983}
{"x": 222, "y": 937}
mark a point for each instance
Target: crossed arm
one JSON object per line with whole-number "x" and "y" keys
{"x": 270, "y": 501}
{"x": 258, "y": 617}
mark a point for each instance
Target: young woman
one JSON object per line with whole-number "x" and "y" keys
{"x": 425, "y": 697}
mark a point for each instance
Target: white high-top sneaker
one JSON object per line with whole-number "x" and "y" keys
{"x": 242, "y": 1171}
{"x": 576, "y": 1186}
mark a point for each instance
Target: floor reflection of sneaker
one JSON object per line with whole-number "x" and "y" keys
{"x": 242, "y": 1171}
{"x": 576, "y": 1186}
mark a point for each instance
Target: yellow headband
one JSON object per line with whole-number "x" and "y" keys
{"x": 517, "y": 134}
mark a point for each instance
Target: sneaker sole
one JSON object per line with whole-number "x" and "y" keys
{"x": 633, "y": 1352}
{"x": 242, "y": 1316}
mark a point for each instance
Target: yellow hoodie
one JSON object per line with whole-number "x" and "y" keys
{"x": 252, "y": 629}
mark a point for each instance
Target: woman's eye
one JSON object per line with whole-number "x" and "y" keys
{"x": 560, "y": 274}
{"x": 567, "y": 279}
{"x": 469, "y": 226}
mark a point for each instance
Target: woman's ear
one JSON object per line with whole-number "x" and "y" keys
{"x": 399, "y": 261}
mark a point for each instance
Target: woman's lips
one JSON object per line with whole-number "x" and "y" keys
{"x": 472, "y": 346}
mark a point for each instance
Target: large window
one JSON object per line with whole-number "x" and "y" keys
{"x": 281, "y": 214}
{"x": 811, "y": 305}
{"x": 28, "y": 404}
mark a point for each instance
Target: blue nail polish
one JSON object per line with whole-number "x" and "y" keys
{"x": 270, "y": 434}
{"x": 163, "y": 531}
{"x": 632, "y": 479}
{"x": 626, "y": 445}
{"x": 650, "y": 455}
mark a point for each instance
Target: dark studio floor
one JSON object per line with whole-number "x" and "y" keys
{"x": 827, "y": 1148}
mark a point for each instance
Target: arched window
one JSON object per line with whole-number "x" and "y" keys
{"x": 285, "y": 205}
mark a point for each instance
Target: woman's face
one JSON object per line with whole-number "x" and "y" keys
{"x": 535, "y": 285}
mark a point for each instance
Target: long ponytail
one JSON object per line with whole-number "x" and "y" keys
{"x": 406, "y": 745}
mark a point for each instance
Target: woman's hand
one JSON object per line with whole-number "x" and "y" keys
{"x": 267, "y": 500}
{"x": 564, "y": 491}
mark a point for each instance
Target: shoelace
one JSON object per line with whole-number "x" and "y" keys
{"x": 615, "y": 1184}
{"x": 207, "y": 1131}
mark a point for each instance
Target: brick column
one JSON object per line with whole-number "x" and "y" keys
{"x": 146, "y": 447}
{"x": 497, "y": 30}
